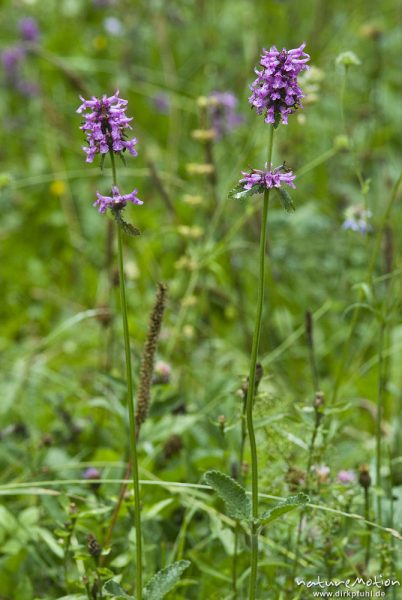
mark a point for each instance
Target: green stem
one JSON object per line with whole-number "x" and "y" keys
{"x": 251, "y": 386}
{"x": 131, "y": 411}
{"x": 366, "y": 516}
{"x": 240, "y": 479}
{"x": 379, "y": 417}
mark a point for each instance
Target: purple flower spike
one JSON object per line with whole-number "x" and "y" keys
{"x": 267, "y": 178}
{"x": 29, "y": 29}
{"x": 223, "y": 113}
{"x": 105, "y": 126}
{"x": 275, "y": 92}
{"x": 117, "y": 200}
{"x": 11, "y": 58}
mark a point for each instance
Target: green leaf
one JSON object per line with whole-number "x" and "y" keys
{"x": 238, "y": 193}
{"x": 126, "y": 227}
{"x": 283, "y": 507}
{"x": 165, "y": 580}
{"x": 114, "y": 590}
{"x": 237, "y": 502}
{"x": 286, "y": 199}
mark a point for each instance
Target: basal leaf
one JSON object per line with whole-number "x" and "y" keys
{"x": 284, "y": 507}
{"x": 165, "y": 580}
{"x": 237, "y": 502}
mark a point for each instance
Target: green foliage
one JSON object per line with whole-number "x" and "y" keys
{"x": 114, "y": 590}
{"x": 237, "y": 502}
{"x": 165, "y": 580}
{"x": 239, "y": 193}
{"x": 283, "y": 507}
{"x": 126, "y": 227}
{"x": 286, "y": 199}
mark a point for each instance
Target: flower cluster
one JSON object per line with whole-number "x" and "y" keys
{"x": 15, "y": 57}
{"x": 275, "y": 92}
{"x": 222, "y": 110}
{"x": 268, "y": 178}
{"x": 105, "y": 126}
{"x": 346, "y": 476}
{"x": 357, "y": 219}
{"x": 29, "y": 30}
{"x": 116, "y": 200}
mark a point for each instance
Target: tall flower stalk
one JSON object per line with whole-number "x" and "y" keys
{"x": 106, "y": 127}
{"x": 276, "y": 95}
{"x": 131, "y": 410}
{"x": 251, "y": 386}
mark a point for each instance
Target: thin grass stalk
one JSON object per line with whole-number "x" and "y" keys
{"x": 251, "y": 387}
{"x": 319, "y": 413}
{"x": 379, "y": 417}
{"x": 144, "y": 387}
{"x": 130, "y": 403}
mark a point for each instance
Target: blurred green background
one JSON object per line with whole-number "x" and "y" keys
{"x": 61, "y": 387}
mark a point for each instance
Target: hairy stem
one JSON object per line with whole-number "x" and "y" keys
{"x": 131, "y": 411}
{"x": 251, "y": 386}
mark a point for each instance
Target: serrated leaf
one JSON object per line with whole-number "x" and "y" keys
{"x": 112, "y": 589}
{"x": 238, "y": 193}
{"x": 284, "y": 507}
{"x": 237, "y": 502}
{"x": 286, "y": 200}
{"x": 165, "y": 580}
{"x": 126, "y": 227}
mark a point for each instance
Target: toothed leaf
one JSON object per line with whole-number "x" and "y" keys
{"x": 286, "y": 200}
{"x": 165, "y": 580}
{"x": 238, "y": 193}
{"x": 284, "y": 507}
{"x": 126, "y": 227}
{"x": 237, "y": 502}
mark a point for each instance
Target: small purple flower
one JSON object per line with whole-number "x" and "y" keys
{"x": 105, "y": 126}
{"x": 267, "y": 178}
{"x": 357, "y": 219}
{"x": 92, "y": 473}
{"x": 223, "y": 112}
{"x": 29, "y": 29}
{"x": 161, "y": 103}
{"x": 116, "y": 200}
{"x": 11, "y": 59}
{"x": 346, "y": 476}
{"x": 27, "y": 88}
{"x": 275, "y": 92}
{"x": 113, "y": 26}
